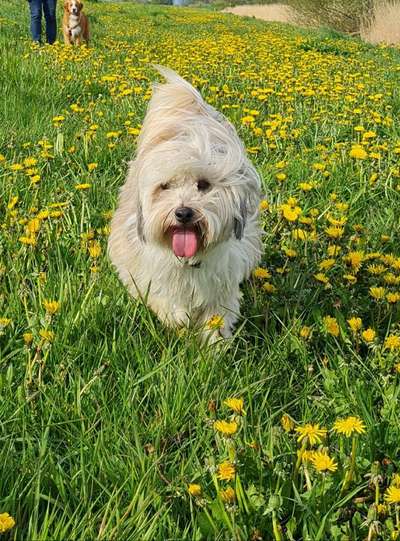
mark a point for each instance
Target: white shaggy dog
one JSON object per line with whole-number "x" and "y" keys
{"x": 186, "y": 232}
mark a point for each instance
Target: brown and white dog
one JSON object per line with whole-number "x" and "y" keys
{"x": 75, "y": 23}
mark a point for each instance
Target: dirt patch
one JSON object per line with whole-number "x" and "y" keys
{"x": 273, "y": 12}
{"x": 385, "y": 26}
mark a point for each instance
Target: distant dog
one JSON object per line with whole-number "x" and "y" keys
{"x": 186, "y": 233}
{"x": 75, "y": 23}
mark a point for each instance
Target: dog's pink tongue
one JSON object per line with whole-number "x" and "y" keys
{"x": 184, "y": 242}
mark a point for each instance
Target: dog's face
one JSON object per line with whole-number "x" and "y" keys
{"x": 184, "y": 211}
{"x": 196, "y": 186}
{"x": 73, "y": 7}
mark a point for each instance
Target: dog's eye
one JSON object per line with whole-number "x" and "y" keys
{"x": 203, "y": 185}
{"x": 164, "y": 186}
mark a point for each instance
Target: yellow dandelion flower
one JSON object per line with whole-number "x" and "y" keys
{"x": 13, "y": 201}
{"x": 287, "y": 423}
{"x": 331, "y": 325}
{"x": 355, "y": 324}
{"x": 51, "y": 307}
{"x": 369, "y": 335}
{"x": 305, "y": 454}
{"x": 29, "y": 162}
{"x": 28, "y": 240}
{"x": 382, "y": 509}
{"x": 289, "y": 252}
{"x": 16, "y": 167}
{"x": 33, "y": 226}
{"x": 321, "y": 277}
{"x": 227, "y": 428}
{"x": 226, "y": 471}
{"x": 305, "y": 332}
{"x": 326, "y": 264}
{"x": 393, "y": 297}
{"x": 6, "y": 522}
{"x": 35, "y": 179}
{"x": 43, "y": 214}
{"x": 334, "y": 231}
{"x": 264, "y": 205}
{"x": 290, "y": 213}
{"x": 5, "y": 322}
{"x": 269, "y": 288}
{"x": 281, "y": 177}
{"x": 83, "y": 186}
{"x": 348, "y": 426}
{"x": 228, "y": 495}
{"x": 336, "y": 221}
{"x": 92, "y": 166}
{"x": 350, "y": 278}
{"x": 235, "y": 404}
{"x": 259, "y": 272}
{"x": 313, "y": 434}
{"x": 194, "y": 490}
{"x": 216, "y": 322}
{"x": 376, "y": 269}
{"x": 358, "y": 152}
{"x": 354, "y": 259}
{"x": 249, "y": 119}
{"x": 333, "y": 250}
{"x": 373, "y": 178}
{"x": 299, "y": 234}
{"x": 306, "y": 186}
{"x": 341, "y": 207}
{"x": 28, "y": 338}
{"x": 392, "y": 495}
{"x": 392, "y": 342}
{"x": 391, "y": 278}
{"x": 377, "y": 293}
{"x": 48, "y": 336}
{"x": 94, "y": 248}
{"x": 323, "y": 462}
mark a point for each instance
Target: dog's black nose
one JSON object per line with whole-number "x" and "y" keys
{"x": 184, "y": 214}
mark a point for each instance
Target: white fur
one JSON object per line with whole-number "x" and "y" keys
{"x": 183, "y": 140}
{"x": 75, "y": 28}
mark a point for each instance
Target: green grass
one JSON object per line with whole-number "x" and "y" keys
{"x": 103, "y": 428}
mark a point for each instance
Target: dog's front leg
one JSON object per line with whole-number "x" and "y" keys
{"x": 67, "y": 37}
{"x": 170, "y": 314}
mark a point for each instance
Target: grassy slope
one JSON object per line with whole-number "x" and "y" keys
{"x": 77, "y": 418}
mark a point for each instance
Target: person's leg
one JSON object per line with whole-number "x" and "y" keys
{"x": 36, "y": 19}
{"x": 49, "y": 8}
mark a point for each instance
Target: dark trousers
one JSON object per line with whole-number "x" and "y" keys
{"x": 49, "y": 9}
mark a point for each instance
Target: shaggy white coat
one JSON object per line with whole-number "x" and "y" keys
{"x": 182, "y": 141}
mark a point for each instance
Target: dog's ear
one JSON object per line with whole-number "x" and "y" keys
{"x": 139, "y": 222}
{"x": 239, "y": 223}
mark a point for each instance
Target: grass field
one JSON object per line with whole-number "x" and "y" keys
{"x": 107, "y": 420}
